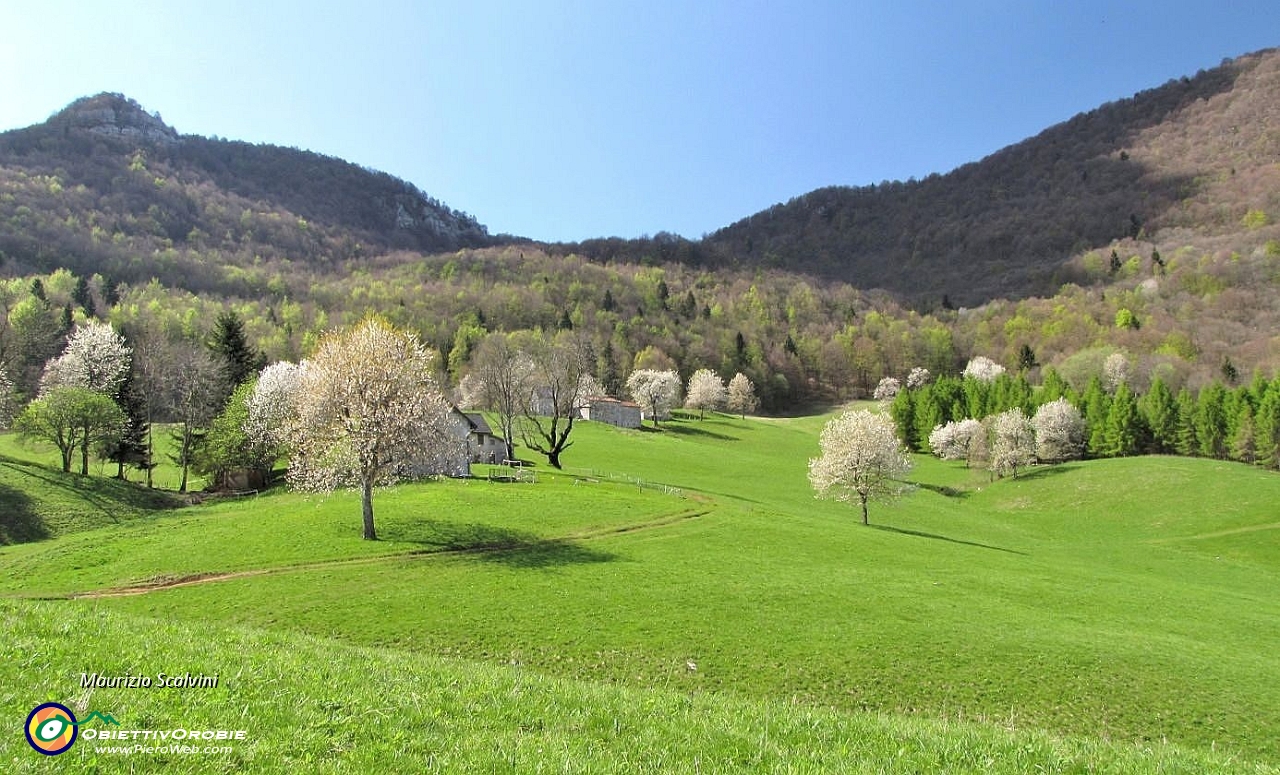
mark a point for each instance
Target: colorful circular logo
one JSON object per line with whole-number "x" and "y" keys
{"x": 51, "y": 728}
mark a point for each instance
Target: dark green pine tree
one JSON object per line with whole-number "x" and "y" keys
{"x": 82, "y": 296}
{"x": 1096, "y": 410}
{"x": 976, "y": 402}
{"x": 1052, "y": 386}
{"x": 239, "y": 360}
{"x": 689, "y": 306}
{"x": 1123, "y": 424}
{"x": 607, "y": 369}
{"x": 903, "y": 412}
{"x": 1186, "y": 441}
{"x": 1026, "y": 358}
{"x": 1160, "y": 413}
{"x": 1244, "y": 441}
{"x": 133, "y": 448}
{"x": 1211, "y": 421}
{"x": 928, "y": 415}
{"x": 1267, "y": 426}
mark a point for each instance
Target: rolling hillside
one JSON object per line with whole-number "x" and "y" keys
{"x": 1060, "y": 603}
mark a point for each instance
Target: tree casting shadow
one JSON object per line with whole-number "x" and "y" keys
{"x": 19, "y": 522}
{"x": 937, "y": 537}
{"x": 498, "y": 545}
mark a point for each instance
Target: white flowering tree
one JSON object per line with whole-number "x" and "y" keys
{"x": 369, "y": 412}
{"x": 706, "y": 391}
{"x": 862, "y": 459}
{"x": 656, "y": 391}
{"x": 8, "y": 399}
{"x": 918, "y": 378}
{"x": 269, "y": 410}
{"x": 1059, "y": 431}
{"x": 1013, "y": 442}
{"x": 742, "y": 395}
{"x": 96, "y": 358}
{"x": 887, "y": 389}
{"x": 954, "y": 440}
{"x": 1115, "y": 371}
{"x": 983, "y": 369}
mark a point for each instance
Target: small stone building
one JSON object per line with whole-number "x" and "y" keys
{"x": 623, "y": 414}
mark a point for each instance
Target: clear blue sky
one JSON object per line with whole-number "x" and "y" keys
{"x": 564, "y": 121}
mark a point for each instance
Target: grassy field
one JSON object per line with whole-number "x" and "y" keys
{"x": 1127, "y": 601}
{"x": 311, "y": 705}
{"x": 38, "y": 502}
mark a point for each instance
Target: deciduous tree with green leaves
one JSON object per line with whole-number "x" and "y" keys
{"x": 71, "y": 417}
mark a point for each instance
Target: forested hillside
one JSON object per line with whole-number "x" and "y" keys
{"x": 1181, "y": 164}
{"x": 1148, "y": 226}
{"x": 104, "y": 187}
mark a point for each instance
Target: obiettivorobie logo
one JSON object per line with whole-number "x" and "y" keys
{"x": 52, "y": 728}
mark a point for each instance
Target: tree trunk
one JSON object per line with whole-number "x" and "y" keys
{"x": 366, "y": 507}
{"x": 84, "y": 453}
{"x": 186, "y": 455}
{"x": 66, "y": 458}
{"x": 553, "y": 457}
{"x": 864, "y": 510}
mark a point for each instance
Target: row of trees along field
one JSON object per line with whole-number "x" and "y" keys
{"x": 367, "y": 407}
{"x": 1107, "y": 418}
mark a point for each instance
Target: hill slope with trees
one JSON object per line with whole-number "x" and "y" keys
{"x": 1184, "y": 162}
{"x": 107, "y": 212}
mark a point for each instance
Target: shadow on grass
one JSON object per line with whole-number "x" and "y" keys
{"x": 694, "y": 430}
{"x": 19, "y": 522}
{"x": 936, "y": 537}
{"x": 1047, "y": 470}
{"x": 949, "y": 492}
{"x": 498, "y": 545}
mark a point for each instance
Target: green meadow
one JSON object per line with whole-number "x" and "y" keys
{"x": 677, "y": 600}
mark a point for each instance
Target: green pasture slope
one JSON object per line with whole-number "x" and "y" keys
{"x": 680, "y": 602}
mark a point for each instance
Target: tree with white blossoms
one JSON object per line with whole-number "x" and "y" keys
{"x": 706, "y": 391}
{"x": 862, "y": 459}
{"x": 954, "y": 440}
{"x": 918, "y": 378}
{"x": 369, "y": 412}
{"x": 983, "y": 369}
{"x": 96, "y": 358}
{"x": 656, "y": 391}
{"x": 742, "y": 395}
{"x": 271, "y": 407}
{"x": 1115, "y": 371}
{"x": 8, "y": 399}
{"x": 1059, "y": 431}
{"x": 1013, "y": 442}
{"x": 887, "y": 389}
